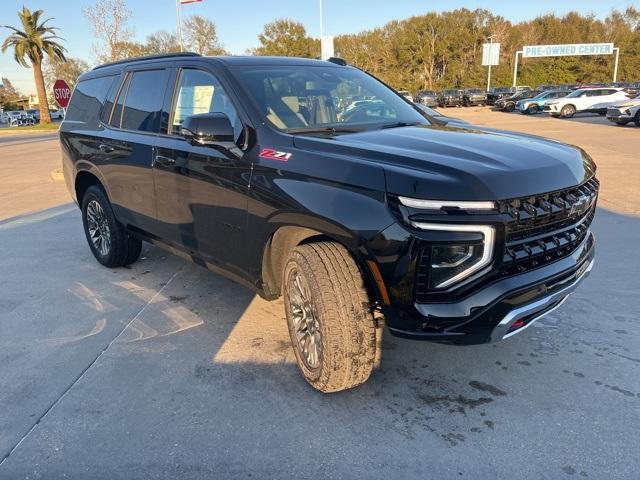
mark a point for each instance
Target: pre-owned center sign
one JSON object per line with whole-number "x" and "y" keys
{"x": 567, "y": 49}
{"x": 537, "y": 51}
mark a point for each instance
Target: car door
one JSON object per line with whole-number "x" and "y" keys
{"x": 132, "y": 117}
{"x": 201, "y": 191}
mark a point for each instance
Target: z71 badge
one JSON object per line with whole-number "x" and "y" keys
{"x": 272, "y": 154}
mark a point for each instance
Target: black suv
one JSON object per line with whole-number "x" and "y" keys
{"x": 249, "y": 167}
{"x": 450, "y": 98}
{"x": 474, "y": 96}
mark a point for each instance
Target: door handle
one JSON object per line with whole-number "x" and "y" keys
{"x": 105, "y": 148}
{"x": 164, "y": 161}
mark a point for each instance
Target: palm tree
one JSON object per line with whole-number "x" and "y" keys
{"x": 32, "y": 43}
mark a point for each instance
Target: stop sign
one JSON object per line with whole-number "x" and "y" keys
{"x": 62, "y": 93}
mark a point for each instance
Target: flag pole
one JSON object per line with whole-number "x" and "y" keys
{"x": 179, "y": 25}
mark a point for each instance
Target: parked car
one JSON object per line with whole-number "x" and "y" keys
{"x": 497, "y": 93}
{"x": 585, "y": 100}
{"x": 428, "y": 98}
{"x": 536, "y": 104}
{"x": 460, "y": 235}
{"x": 56, "y": 114}
{"x": 508, "y": 104}
{"x": 406, "y": 95}
{"x": 450, "y": 98}
{"x": 625, "y": 112}
{"x": 474, "y": 96}
{"x": 34, "y": 113}
{"x": 4, "y": 117}
{"x": 433, "y": 113}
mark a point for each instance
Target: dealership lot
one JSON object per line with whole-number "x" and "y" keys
{"x": 165, "y": 370}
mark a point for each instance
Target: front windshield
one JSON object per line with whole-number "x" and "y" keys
{"x": 575, "y": 93}
{"x": 304, "y": 98}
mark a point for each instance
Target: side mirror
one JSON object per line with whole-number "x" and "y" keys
{"x": 207, "y": 129}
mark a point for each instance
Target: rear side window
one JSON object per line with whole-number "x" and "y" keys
{"x": 88, "y": 98}
{"x": 143, "y": 102}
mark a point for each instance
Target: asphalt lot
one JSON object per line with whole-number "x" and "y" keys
{"x": 165, "y": 370}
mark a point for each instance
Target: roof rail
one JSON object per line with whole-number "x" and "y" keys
{"x": 149, "y": 57}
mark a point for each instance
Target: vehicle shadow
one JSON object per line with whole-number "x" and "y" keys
{"x": 203, "y": 365}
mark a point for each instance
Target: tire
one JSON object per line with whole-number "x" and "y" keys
{"x": 568, "y": 111}
{"x": 636, "y": 119}
{"x": 532, "y": 109}
{"x": 107, "y": 238}
{"x": 509, "y": 107}
{"x": 323, "y": 284}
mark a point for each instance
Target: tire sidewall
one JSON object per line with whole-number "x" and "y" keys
{"x": 97, "y": 194}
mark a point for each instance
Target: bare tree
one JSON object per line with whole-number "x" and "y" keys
{"x": 201, "y": 36}
{"x": 109, "y": 20}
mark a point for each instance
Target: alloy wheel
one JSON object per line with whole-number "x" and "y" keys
{"x": 305, "y": 324}
{"x": 98, "y": 227}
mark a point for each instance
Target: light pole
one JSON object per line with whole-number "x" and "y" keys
{"x": 490, "y": 61}
{"x": 321, "y": 27}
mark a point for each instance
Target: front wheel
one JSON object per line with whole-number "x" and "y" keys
{"x": 532, "y": 109}
{"x": 636, "y": 119}
{"x": 568, "y": 111}
{"x": 509, "y": 107}
{"x": 107, "y": 238}
{"x": 329, "y": 317}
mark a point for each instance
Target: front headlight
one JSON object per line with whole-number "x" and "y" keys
{"x": 451, "y": 263}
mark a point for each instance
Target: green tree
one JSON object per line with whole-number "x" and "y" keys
{"x": 287, "y": 38}
{"x": 30, "y": 45}
{"x": 68, "y": 70}
{"x": 9, "y": 95}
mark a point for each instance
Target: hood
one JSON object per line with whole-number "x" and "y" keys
{"x": 460, "y": 162}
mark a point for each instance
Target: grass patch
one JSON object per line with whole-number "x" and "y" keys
{"x": 47, "y": 127}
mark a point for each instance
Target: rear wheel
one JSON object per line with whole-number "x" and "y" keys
{"x": 509, "y": 107}
{"x": 636, "y": 119}
{"x": 329, "y": 318}
{"x": 107, "y": 238}
{"x": 568, "y": 111}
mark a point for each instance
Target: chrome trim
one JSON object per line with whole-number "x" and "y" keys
{"x": 488, "y": 233}
{"x": 440, "y": 204}
{"x": 501, "y": 331}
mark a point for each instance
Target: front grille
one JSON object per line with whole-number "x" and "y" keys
{"x": 544, "y": 228}
{"x": 539, "y": 230}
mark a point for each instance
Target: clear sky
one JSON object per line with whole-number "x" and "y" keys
{"x": 240, "y": 21}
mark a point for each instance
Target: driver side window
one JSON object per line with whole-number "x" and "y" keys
{"x": 200, "y": 92}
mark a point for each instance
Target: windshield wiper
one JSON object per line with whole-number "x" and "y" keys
{"x": 329, "y": 130}
{"x": 399, "y": 124}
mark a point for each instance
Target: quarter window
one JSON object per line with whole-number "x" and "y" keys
{"x": 200, "y": 92}
{"x": 87, "y": 99}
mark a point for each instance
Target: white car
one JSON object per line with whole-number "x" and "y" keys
{"x": 625, "y": 112}
{"x": 583, "y": 100}
{"x": 406, "y": 95}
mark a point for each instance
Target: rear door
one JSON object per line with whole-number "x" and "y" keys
{"x": 132, "y": 116}
{"x": 202, "y": 191}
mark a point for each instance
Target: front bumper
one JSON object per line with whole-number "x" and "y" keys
{"x": 616, "y": 115}
{"x": 491, "y": 314}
